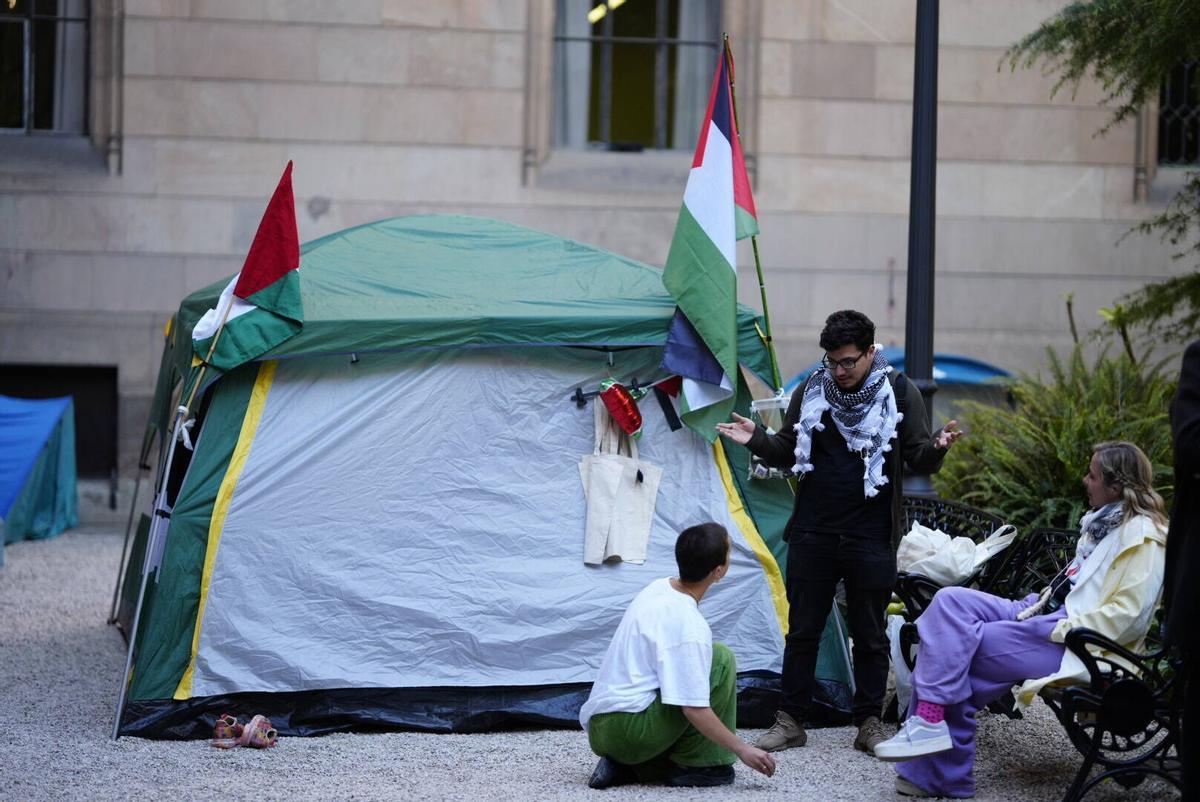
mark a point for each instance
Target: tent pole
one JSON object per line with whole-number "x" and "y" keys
{"x": 112, "y": 613}
{"x": 762, "y": 287}
{"x": 151, "y": 549}
{"x": 143, "y": 465}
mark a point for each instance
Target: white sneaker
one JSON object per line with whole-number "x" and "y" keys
{"x": 916, "y": 738}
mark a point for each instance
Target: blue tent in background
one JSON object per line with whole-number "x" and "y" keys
{"x": 37, "y": 468}
{"x": 947, "y": 369}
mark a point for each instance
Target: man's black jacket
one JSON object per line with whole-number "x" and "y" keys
{"x": 914, "y": 436}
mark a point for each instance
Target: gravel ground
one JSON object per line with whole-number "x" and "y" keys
{"x": 60, "y": 668}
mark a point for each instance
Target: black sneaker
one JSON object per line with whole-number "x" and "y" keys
{"x": 609, "y": 774}
{"x": 699, "y": 776}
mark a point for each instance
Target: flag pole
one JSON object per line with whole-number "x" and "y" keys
{"x": 187, "y": 405}
{"x": 762, "y": 287}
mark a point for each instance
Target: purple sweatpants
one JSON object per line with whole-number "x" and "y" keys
{"x": 972, "y": 651}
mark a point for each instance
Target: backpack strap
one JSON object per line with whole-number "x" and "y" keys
{"x": 900, "y": 389}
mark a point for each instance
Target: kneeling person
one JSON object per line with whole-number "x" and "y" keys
{"x": 664, "y": 705}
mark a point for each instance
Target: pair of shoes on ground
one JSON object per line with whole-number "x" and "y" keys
{"x": 228, "y": 733}
{"x": 916, "y": 738}
{"x": 610, "y": 774}
{"x": 787, "y": 733}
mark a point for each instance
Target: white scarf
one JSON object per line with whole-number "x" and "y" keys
{"x": 1094, "y": 526}
{"x": 867, "y": 419}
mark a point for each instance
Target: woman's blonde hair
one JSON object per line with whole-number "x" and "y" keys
{"x": 1124, "y": 464}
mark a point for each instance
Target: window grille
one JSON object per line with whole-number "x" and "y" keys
{"x": 633, "y": 74}
{"x": 43, "y": 66}
{"x": 1179, "y": 116}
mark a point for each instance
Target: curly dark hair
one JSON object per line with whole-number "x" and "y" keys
{"x": 847, "y": 327}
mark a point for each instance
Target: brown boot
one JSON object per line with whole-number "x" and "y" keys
{"x": 870, "y": 733}
{"x": 785, "y": 733}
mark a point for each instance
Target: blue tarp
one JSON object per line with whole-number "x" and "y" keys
{"x": 37, "y": 467}
{"x": 947, "y": 369}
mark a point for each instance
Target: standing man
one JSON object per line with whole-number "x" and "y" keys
{"x": 838, "y": 437}
{"x": 664, "y": 704}
{"x": 1181, "y": 591}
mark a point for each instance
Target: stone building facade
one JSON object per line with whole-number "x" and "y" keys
{"x": 394, "y": 107}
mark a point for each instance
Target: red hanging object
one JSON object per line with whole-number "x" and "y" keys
{"x": 622, "y": 407}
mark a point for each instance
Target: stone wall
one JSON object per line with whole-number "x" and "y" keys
{"x": 392, "y": 107}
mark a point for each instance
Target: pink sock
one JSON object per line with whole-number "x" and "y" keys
{"x": 931, "y": 712}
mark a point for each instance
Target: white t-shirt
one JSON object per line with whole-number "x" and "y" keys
{"x": 662, "y": 644}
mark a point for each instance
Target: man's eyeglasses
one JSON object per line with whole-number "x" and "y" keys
{"x": 844, "y": 364}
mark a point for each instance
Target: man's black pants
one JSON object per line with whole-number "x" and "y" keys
{"x": 815, "y": 563}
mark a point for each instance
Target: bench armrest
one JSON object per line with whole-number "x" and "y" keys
{"x": 1103, "y": 670}
{"x": 916, "y": 591}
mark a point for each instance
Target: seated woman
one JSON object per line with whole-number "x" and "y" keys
{"x": 975, "y": 646}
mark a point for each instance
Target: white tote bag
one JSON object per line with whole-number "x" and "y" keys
{"x": 620, "y": 490}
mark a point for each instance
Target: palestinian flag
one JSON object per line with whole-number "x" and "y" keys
{"x": 261, "y": 307}
{"x": 701, "y": 269}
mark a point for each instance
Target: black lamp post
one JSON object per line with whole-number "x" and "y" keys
{"x": 922, "y": 204}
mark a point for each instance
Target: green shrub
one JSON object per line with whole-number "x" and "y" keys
{"x": 1026, "y": 462}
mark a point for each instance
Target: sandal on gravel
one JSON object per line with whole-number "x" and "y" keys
{"x": 259, "y": 734}
{"x": 227, "y": 732}
{"x": 227, "y": 726}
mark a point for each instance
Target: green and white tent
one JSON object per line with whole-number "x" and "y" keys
{"x": 382, "y": 519}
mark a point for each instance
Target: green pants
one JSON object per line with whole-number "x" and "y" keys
{"x": 661, "y": 732}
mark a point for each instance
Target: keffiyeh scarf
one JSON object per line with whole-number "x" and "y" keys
{"x": 1094, "y": 527}
{"x": 867, "y": 419}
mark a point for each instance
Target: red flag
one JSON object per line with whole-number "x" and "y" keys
{"x": 276, "y": 246}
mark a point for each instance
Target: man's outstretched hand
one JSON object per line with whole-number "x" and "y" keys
{"x": 738, "y": 431}
{"x": 757, "y": 759}
{"x": 949, "y": 433}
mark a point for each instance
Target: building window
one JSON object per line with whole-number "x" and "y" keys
{"x": 1179, "y": 116}
{"x": 43, "y": 66}
{"x": 633, "y": 74}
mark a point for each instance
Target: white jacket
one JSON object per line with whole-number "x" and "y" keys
{"x": 1116, "y": 594}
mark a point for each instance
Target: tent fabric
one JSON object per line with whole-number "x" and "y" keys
{"x": 37, "y": 467}
{"x": 163, "y": 404}
{"x": 25, "y": 426}
{"x": 408, "y": 563}
{"x": 131, "y": 581}
{"x": 173, "y": 592}
{"x": 440, "y": 281}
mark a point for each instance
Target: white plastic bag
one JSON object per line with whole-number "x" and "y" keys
{"x": 947, "y": 560}
{"x": 620, "y": 490}
{"x": 903, "y": 675}
{"x": 995, "y": 543}
{"x": 933, "y": 553}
